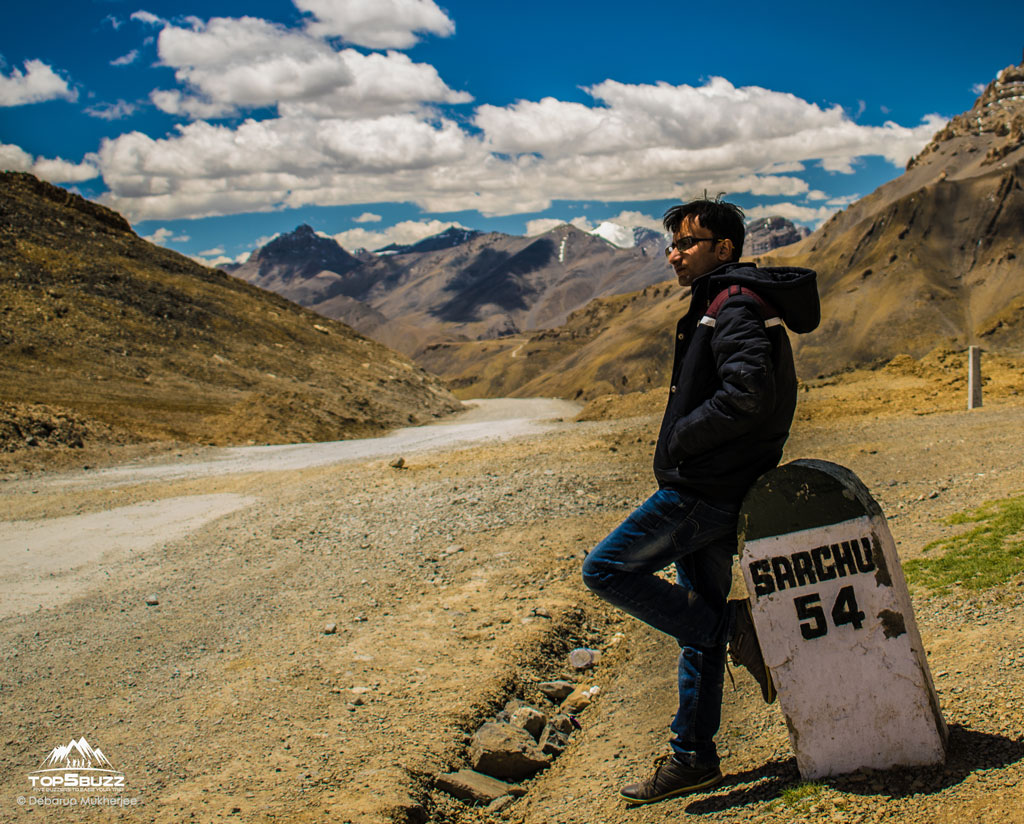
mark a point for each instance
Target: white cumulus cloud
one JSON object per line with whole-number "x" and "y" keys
{"x": 540, "y": 225}
{"x": 228, "y": 65}
{"x": 355, "y": 130}
{"x": 206, "y": 169}
{"x": 633, "y": 219}
{"x": 404, "y": 233}
{"x": 380, "y": 84}
{"x": 367, "y": 217}
{"x": 14, "y": 158}
{"x": 126, "y": 59}
{"x": 218, "y": 259}
{"x": 56, "y": 170}
{"x": 37, "y": 83}
{"x": 112, "y": 111}
{"x": 147, "y": 17}
{"x": 376, "y": 24}
{"x": 159, "y": 236}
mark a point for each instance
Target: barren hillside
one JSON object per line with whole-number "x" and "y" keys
{"x": 107, "y": 337}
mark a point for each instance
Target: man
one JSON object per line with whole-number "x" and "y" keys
{"x": 731, "y": 403}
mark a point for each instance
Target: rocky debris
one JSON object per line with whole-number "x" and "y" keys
{"x": 511, "y": 706}
{"x": 397, "y": 463}
{"x": 506, "y": 752}
{"x": 998, "y": 113}
{"x": 500, "y": 804}
{"x": 579, "y": 699}
{"x": 520, "y": 741}
{"x": 470, "y": 785}
{"x": 553, "y": 742}
{"x": 152, "y": 601}
{"x": 330, "y": 629}
{"x": 556, "y": 691}
{"x": 529, "y": 719}
{"x": 40, "y": 425}
{"x": 564, "y": 724}
{"x": 583, "y": 658}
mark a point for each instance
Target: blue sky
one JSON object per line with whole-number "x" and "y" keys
{"x": 213, "y": 126}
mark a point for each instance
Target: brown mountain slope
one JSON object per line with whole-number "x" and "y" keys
{"x": 933, "y": 257}
{"x": 110, "y": 334}
{"x": 616, "y": 344}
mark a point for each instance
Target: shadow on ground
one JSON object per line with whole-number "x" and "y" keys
{"x": 968, "y": 751}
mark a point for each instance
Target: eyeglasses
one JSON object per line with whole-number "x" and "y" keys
{"x": 688, "y": 242}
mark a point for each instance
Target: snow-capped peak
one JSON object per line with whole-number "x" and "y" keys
{"x": 616, "y": 234}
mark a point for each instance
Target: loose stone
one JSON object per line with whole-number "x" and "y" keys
{"x": 506, "y": 752}
{"x": 556, "y": 691}
{"x": 470, "y": 785}
{"x": 529, "y": 719}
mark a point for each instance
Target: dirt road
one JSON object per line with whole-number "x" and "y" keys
{"x": 44, "y": 562}
{"x": 320, "y": 649}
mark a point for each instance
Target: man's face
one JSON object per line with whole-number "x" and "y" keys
{"x": 702, "y": 257}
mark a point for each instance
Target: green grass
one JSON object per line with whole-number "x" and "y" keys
{"x": 990, "y": 554}
{"x": 800, "y": 797}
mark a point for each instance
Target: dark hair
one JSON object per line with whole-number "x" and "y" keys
{"x": 725, "y": 220}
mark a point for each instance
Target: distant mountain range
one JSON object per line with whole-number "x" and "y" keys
{"x": 467, "y": 285}
{"x": 457, "y": 285}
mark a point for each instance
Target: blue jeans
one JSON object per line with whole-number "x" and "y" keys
{"x": 673, "y": 527}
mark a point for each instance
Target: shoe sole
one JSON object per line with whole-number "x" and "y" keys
{"x": 693, "y": 788}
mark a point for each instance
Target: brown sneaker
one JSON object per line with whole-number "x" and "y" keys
{"x": 744, "y": 649}
{"x": 670, "y": 779}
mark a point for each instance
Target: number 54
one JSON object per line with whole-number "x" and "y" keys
{"x": 812, "y": 614}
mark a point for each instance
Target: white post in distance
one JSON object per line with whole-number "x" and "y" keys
{"x": 973, "y": 377}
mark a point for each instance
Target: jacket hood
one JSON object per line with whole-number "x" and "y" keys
{"x": 791, "y": 291}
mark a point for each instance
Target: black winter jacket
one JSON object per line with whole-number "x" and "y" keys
{"x": 733, "y": 389}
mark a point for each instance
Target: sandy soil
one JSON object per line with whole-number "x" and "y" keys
{"x": 321, "y": 648}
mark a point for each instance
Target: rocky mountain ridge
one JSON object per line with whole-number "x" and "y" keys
{"x": 769, "y": 233}
{"x": 932, "y": 257}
